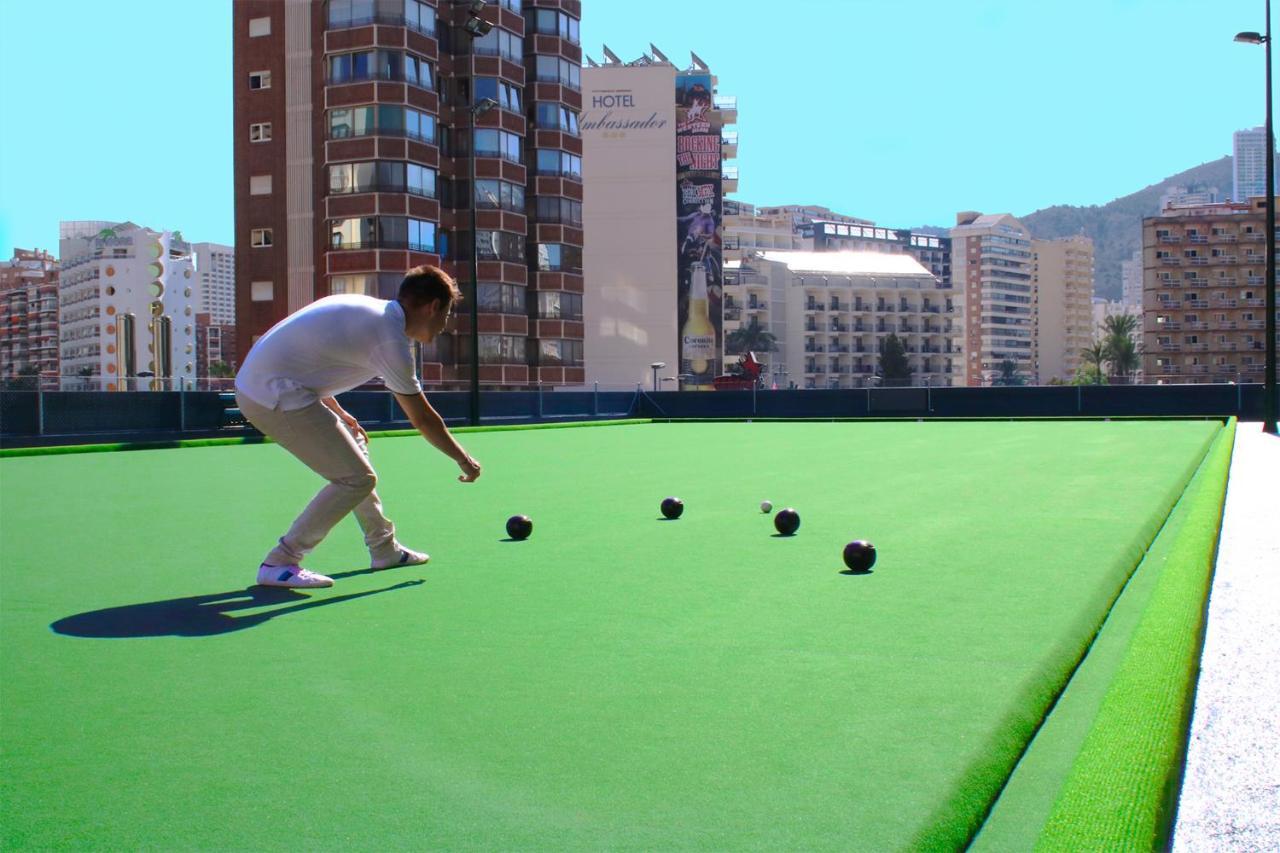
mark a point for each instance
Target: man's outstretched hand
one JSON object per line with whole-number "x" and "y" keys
{"x": 470, "y": 470}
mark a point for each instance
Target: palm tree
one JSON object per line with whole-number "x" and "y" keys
{"x": 1094, "y": 355}
{"x": 1121, "y": 350}
{"x": 1123, "y": 354}
{"x": 1008, "y": 374}
{"x": 750, "y": 338}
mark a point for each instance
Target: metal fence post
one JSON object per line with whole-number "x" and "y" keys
{"x": 182, "y": 404}
{"x": 1079, "y": 399}
{"x": 595, "y": 399}
{"x": 391, "y": 412}
{"x": 39, "y": 411}
{"x": 539, "y": 399}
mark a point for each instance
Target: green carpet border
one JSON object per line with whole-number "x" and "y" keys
{"x": 956, "y": 822}
{"x": 1123, "y": 787}
{"x": 1020, "y": 814}
{"x": 60, "y": 449}
{"x": 949, "y": 419}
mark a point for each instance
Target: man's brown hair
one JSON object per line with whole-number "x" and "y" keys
{"x": 428, "y": 283}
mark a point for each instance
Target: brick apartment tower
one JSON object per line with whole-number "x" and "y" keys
{"x": 351, "y": 166}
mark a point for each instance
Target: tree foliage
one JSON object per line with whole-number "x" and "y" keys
{"x": 895, "y": 369}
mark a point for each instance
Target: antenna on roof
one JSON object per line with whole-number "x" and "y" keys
{"x": 610, "y": 58}
{"x": 698, "y": 64}
{"x": 659, "y": 54}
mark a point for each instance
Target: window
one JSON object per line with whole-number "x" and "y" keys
{"x": 553, "y": 351}
{"x": 259, "y": 27}
{"x": 513, "y": 5}
{"x": 553, "y": 69}
{"x": 552, "y": 161}
{"x": 382, "y": 175}
{"x": 347, "y": 122}
{"x": 501, "y": 299}
{"x": 559, "y": 210}
{"x": 554, "y": 305}
{"x": 500, "y": 246}
{"x": 498, "y": 42}
{"x": 507, "y": 96}
{"x": 260, "y": 185}
{"x": 557, "y": 257}
{"x": 491, "y": 142}
{"x": 556, "y": 117}
{"x": 395, "y": 232}
{"x": 499, "y": 195}
{"x": 356, "y": 13}
{"x": 260, "y": 132}
{"x": 380, "y": 65}
{"x": 500, "y": 349}
{"x": 550, "y": 22}
{"x": 261, "y": 291}
{"x": 260, "y": 238}
{"x": 259, "y": 79}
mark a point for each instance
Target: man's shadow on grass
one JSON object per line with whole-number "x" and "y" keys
{"x": 204, "y": 615}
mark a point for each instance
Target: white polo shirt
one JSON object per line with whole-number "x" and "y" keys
{"x": 330, "y": 346}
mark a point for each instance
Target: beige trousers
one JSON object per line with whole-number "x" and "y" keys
{"x": 323, "y": 443}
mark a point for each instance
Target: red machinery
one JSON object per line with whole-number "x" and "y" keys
{"x": 746, "y": 377}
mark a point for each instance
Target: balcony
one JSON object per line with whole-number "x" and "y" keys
{"x": 729, "y": 145}
{"x": 1195, "y": 303}
{"x": 727, "y": 106}
{"x": 1170, "y": 262}
{"x": 1223, "y": 238}
{"x": 1198, "y": 262}
{"x": 1197, "y": 238}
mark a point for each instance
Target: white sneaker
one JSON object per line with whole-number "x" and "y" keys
{"x": 291, "y": 576}
{"x": 403, "y": 557}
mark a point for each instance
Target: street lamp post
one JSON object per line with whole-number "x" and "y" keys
{"x": 1269, "y": 414}
{"x": 655, "y": 367}
{"x": 478, "y": 108}
{"x": 476, "y": 27}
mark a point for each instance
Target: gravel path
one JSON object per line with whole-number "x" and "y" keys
{"x": 1231, "y": 791}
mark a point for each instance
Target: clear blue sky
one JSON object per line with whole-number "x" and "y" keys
{"x": 899, "y": 112}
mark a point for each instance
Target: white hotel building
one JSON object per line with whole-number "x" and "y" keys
{"x": 831, "y": 312}
{"x": 126, "y": 305}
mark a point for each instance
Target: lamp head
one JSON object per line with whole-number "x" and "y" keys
{"x": 1250, "y": 38}
{"x": 478, "y": 27}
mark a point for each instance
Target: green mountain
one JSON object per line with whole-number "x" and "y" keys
{"x": 1116, "y": 227}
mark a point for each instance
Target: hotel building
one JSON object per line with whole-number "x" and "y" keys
{"x": 654, "y": 152}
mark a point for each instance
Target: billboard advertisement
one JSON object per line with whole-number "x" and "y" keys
{"x": 699, "y": 261}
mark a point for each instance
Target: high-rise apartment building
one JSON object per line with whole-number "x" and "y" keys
{"x": 216, "y": 273}
{"x": 1204, "y": 293}
{"x": 126, "y": 302}
{"x": 215, "y": 344}
{"x": 29, "y": 320}
{"x": 1062, "y": 272}
{"x": 1131, "y": 281}
{"x": 655, "y": 182}
{"x": 991, "y": 270}
{"x": 1249, "y": 164}
{"x": 354, "y": 145}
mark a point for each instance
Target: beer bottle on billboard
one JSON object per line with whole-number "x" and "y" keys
{"x": 698, "y": 337}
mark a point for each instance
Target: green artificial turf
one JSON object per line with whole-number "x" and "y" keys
{"x": 1142, "y": 791}
{"x": 615, "y": 681}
